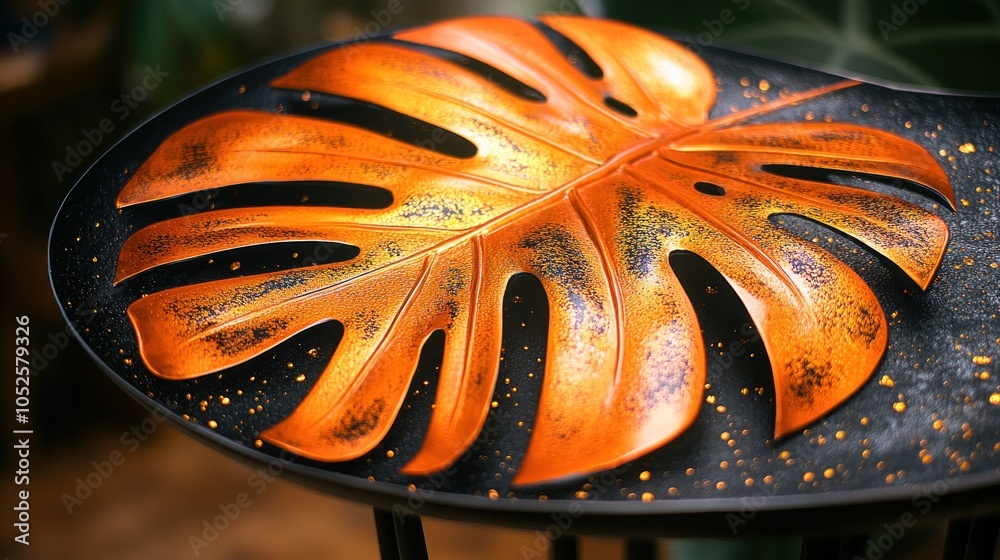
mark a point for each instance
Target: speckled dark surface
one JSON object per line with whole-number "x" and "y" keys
{"x": 925, "y": 416}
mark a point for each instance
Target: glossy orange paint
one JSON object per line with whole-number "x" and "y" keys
{"x": 589, "y": 199}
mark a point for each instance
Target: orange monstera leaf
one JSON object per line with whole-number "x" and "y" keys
{"x": 594, "y": 160}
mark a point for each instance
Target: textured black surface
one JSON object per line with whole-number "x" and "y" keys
{"x": 866, "y": 451}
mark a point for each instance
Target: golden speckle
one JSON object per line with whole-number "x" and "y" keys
{"x": 890, "y": 478}
{"x": 744, "y": 81}
{"x": 995, "y": 399}
{"x": 720, "y": 485}
{"x": 748, "y": 482}
{"x": 306, "y": 95}
{"x": 764, "y": 85}
{"x": 300, "y": 377}
{"x": 313, "y": 352}
{"x": 841, "y": 434}
{"x": 252, "y": 411}
{"x": 808, "y": 477}
{"x": 899, "y": 406}
{"x": 724, "y": 436}
{"x": 943, "y": 152}
{"x": 967, "y": 148}
{"x": 494, "y": 404}
{"x": 242, "y": 88}
{"x": 720, "y": 409}
{"x": 710, "y": 399}
{"x": 213, "y": 424}
{"x": 982, "y": 360}
{"x": 493, "y": 494}
{"x": 865, "y": 421}
{"x": 724, "y": 465}
{"x": 886, "y": 381}
{"x": 390, "y": 453}
{"x": 672, "y": 491}
{"x": 984, "y": 375}
{"x": 581, "y": 494}
{"x": 647, "y": 496}
{"x": 258, "y": 443}
{"x": 969, "y": 261}
{"x": 768, "y": 479}
{"x": 128, "y": 361}
{"x": 644, "y": 476}
{"x": 224, "y": 400}
{"x": 908, "y": 124}
{"x": 938, "y": 424}
{"x": 689, "y": 471}
{"x": 235, "y": 265}
{"x": 784, "y": 455}
{"x": 828, "y": 473}
{"x": 964, "y": 202}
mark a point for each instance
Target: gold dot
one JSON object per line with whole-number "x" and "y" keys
{"x": 886, "y": 381}
{"x": 982, "y": 360}
{"x": 644, "y": 476}
{"x": 213, "y": 424}
{"x": 809, "y": 476}
{"x": 865, "y": 421}
{"x": 748, "y": 482}
{"x": 938, "y": 424}
{"x": 258, "y": 443}
{"x": 300, "y": 377}
{"x": 313, "y": 352}
{"x": 224, "y": 400}
{"x": 724, "y": 436}
{"x": 890, "y": 478}
{"x": 828, "y": 473}
{"x": 967, "y": 148}
{"x": 235, "y": 265}
{"x": 647, "y": 496}
{"x": 689, "y": 471}
{"x": 493, "y": 494}
{"x": 744, "y": 82}
{"x": 841, "y": 434}
{"x": 899, "y": 406}
{"x": 720, "y": 485}
{"x": 494, "y": 404}
{"x": 581, "y": 494}
{"x": 768, "y": 479}
{"x": 390, "y": 453}
{"x": 995, "y": 399}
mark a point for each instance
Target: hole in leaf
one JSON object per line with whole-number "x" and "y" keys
{"x": 487, "y": 72}
{"x": 741, "y": 360}
{"x": 260, "y": 194}
{"x": 620, "y": 106}
{"x": 710, "y": 189}
{"x": 573, "y": 52}
{"x": 244, "y": 261}
{"x": 853, "y": 179}
{"x": 378, "y": 119}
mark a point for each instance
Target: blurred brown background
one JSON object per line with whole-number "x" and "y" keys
{"x": 64, "y": 65}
